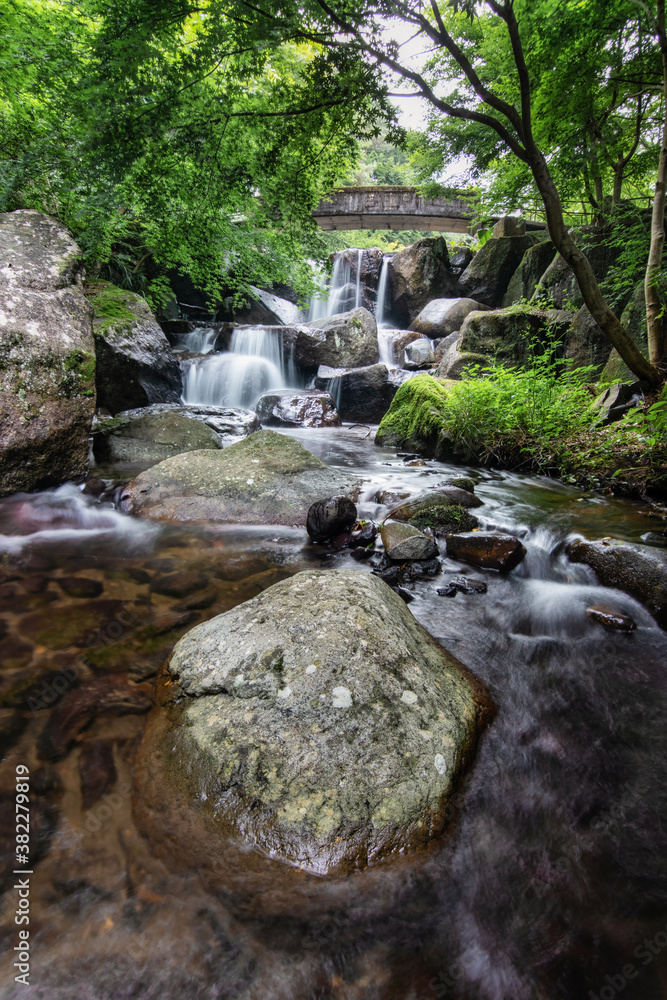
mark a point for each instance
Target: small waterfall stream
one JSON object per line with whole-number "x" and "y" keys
{"x": 341, "y": 293}
{"x": 255, "y": 364}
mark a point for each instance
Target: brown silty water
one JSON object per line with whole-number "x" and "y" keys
{"x": 551, "y": 879}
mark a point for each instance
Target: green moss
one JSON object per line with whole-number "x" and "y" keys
{"x": 463, "y": 483}
{"x": 111, "y": 304}
{"x": 79, "y": 374}
{"x": 445, "y": 517}
{"x": 416, "y": 415}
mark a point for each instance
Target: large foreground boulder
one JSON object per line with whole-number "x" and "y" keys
{"x": 418, "y": 274}
{"x": 306, "y": 735}
{"x": 150, "y": 437}
{"x": 639, "y": 570}
{"x": 47, "y": 396}
{"x": 267, "y": 478}
{"x": 488, "y": 275}
{"x": 441, "y": 317}
{"x": 135, "y": 362}
{"x": 347, "y": 340}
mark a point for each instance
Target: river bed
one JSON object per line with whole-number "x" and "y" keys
{"x": 551, "y": 883}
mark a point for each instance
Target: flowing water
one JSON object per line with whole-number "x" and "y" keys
{"x": 552, "y": 882}
{"x": 340, "y": 293}
{"x": 255, "y": 363}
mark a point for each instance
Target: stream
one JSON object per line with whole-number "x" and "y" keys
{"x": 552, "y": 881}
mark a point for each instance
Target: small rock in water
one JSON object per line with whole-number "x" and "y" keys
{"x": 80, "y": 586}
{"x": 466, "y": 586}
{"x": 463, "y": 483}
{"x": 448, "y": 591}
{"x": 329, "y": 518}
{"x": 390, "y": 575}
{"x": 486, "y": 549}
{"x": 611, "y": 619}
{"x": 179, "y": 584}
{"x": 94, "y": 487}
{"x": 390, "y": 497}
{"x": 403, "y": 542}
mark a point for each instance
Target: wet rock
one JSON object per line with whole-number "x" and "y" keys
{"x": 347, "y": 340}
{"x": 15, "y": 652}
{"x": 80, "y": 586}
{"x": 465, "y": 585}
{"x": 463, "y": 483}
{"x": 110, "y": 695}
{"x": 364, "y": 534}
{"x": 80, "y": 625}
{"x": 419, "y": 354}
{"x": 150, "y": 437}
{"x": 97, "y": 770}
{"x": 322, "y": 728}
{"x": 444, "y": 495}
{"x": 614, "y": 403}
{"x": 47, "y": 396}
{"x": 639, "y": 570}
{"x": 361, "y": 394}
{"x": 297, "y": 409}
{"x": 229, "y": 423}
{"x": 611, "y": 619}
{"x": 403, "y": 541}
{"x": 94, "y": 487}
{"x": 487, "y": 549}
{"x": 390, "y": 497}
{"x": 397, "y": 341}
{"x": 449, "y": 591}
{"x": 328, "y": 518}
{"x": 268, "y": 478}
{"x": 488, "y": 275}
{"x": 418, "y": 274}
{"x": 442, "y": 317}
{"x": 12, "y": 724}
{"x": 135, "y": 364}
{"x": 179, "y": 584}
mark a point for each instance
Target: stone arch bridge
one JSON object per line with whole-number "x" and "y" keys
{"x": 397, "y": 208}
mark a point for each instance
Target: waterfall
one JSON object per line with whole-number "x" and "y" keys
{"x": 381, "y": 300}
{"x": 342, "y": 293}
{"x": 357, "y": 297}
{"x": 254, "y": 365}
{"x": 199, "y": 341}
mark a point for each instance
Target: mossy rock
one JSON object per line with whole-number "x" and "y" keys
{"x": 416, "y": 415}
{"x": 445, "y": 519}
{"x": 463, "y": 483}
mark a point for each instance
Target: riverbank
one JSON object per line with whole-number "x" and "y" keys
{"x": 531, "y": 423}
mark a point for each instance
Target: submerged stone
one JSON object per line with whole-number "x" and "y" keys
{"x": 487, "y": 549}
{"x": 314, "y": 729}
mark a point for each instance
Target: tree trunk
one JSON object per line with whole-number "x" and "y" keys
{"x": 583, "y": 272}
{"x": 655, "y": 320}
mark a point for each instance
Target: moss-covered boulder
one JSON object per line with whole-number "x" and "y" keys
{"x": 135, "y": 362}
{"x": 416, "y": 416}
{"x": 47, "y": 361}
{"x": 513, "y": 336}
{"x": 268, "y": 478}
{"x": 444, "y": 510}
{"x": 308, "y": 734}
{"x": 150, "y": 437}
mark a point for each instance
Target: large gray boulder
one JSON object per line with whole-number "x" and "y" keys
{"x": 512, "y": 335}
{"x": 362, "y": 394}
{"x": 586, "y": 344}
{"x": 47, "y": 394}
{"x": 418, "y": 274}
{"x": 488, "y": 275}
{"x": 150, "y": 437}
{"x": 441, "y": 317}
{"x": 639, "y": 570}
{"x": 527, "y": 276}
{"x": 558, "y": 285}
{"x": 135, "y": 362}
{"x": 229, "y": 423}
{"x": 303, "y": 735}
{"x": 347, "y": 340}
{"x": 267, "y": 478}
